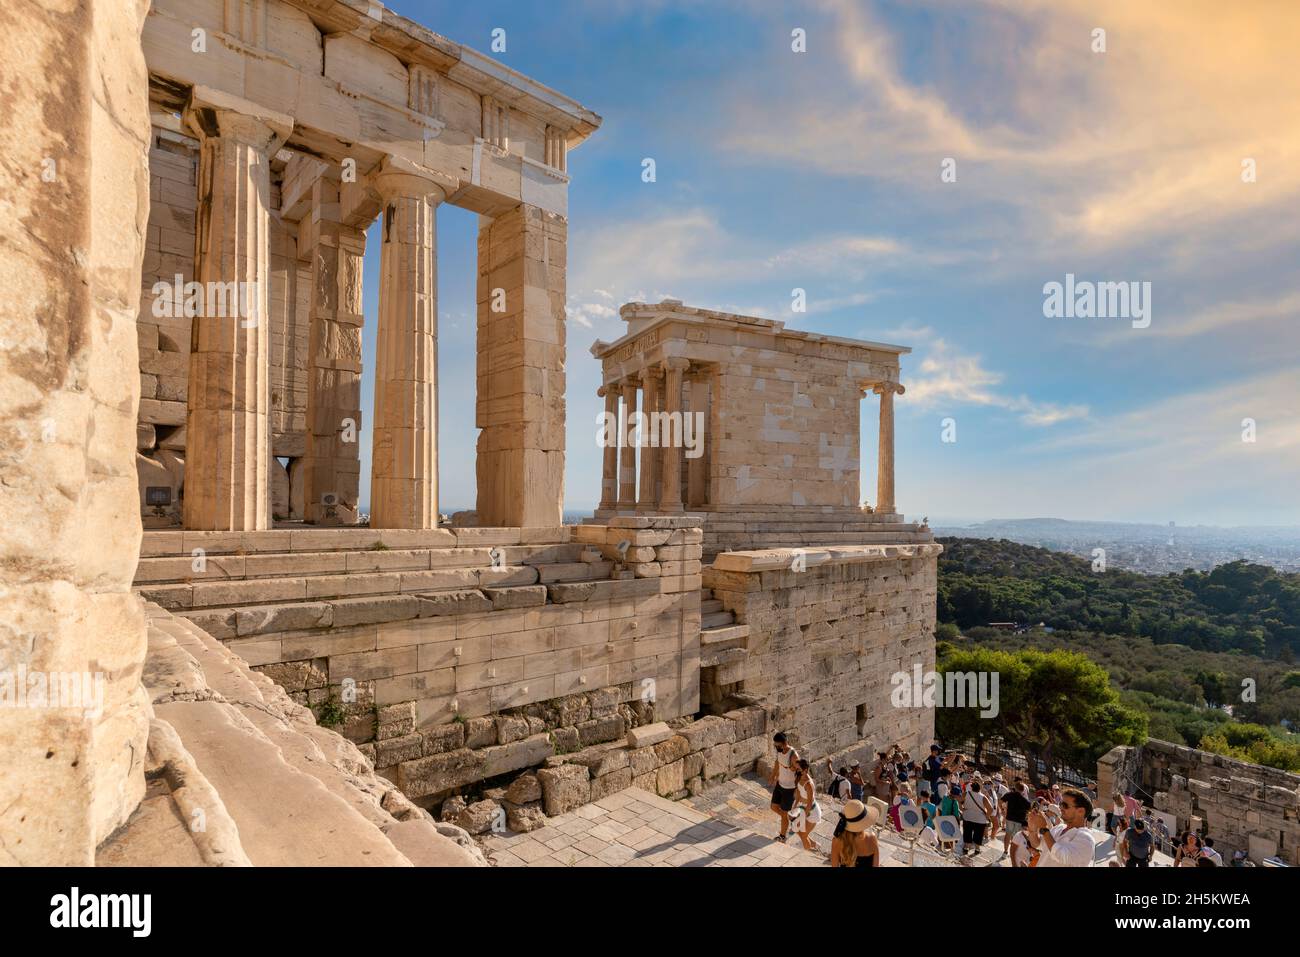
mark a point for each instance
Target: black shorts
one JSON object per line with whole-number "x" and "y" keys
{"x": 783, "y": 798}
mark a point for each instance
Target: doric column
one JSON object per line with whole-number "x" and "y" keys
{"x": 404, "y": 467}
{"x": 228, "y": 435}
{"x": 331, "y": 465}
{"x": 522, "y": 331}
{"x": 609, "y": 461}
{"x": 697, "y": 475}
{"x": 647, "y": 498}
{"x": 627, "y": 464}
{"x": 671, "y": 499}
{"x": 885, "y": 462}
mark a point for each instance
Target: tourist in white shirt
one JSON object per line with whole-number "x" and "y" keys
{"x": 1070, "y": 843}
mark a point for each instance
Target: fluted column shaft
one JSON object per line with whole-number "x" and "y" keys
{"x": 404, "y": 466}
{"x": 228, "y": 436}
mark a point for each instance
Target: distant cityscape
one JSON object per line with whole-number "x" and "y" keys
{"x": 1152, "y": 549}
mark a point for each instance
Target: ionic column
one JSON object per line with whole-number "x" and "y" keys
{"x": 609, "y": 463}
{"x": 627, "y": 463}
{"x": 404, "y": 467}
{"x": 697, "y": 476}
{"x": 228, "y": 435}
{"x": 648, "y": 499}
{"x": 671, "y": 499}
{"x": 885, "y": 462}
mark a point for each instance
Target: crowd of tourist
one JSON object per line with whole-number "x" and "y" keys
{"x": 962, "y": 810}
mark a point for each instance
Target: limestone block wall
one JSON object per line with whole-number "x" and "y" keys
{"x": 75, "y": 188}
{"x": 785, "y": 428}
{"x": 824, "y": 642}
{"x": 454, "y": 623}
{"x": 1242, "y": 806}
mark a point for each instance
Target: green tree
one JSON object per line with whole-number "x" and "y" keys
{"x": 1066, "y": 709}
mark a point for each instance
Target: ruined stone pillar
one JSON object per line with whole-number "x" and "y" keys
{"x": 331, "y": 465}
{"x": 627, "y": 466}
{"x": 228, "y": 435}
{"x": 671, "y": 499}
{"x": 697, "y": 475}
{"x": 75, "y": 183}
{"x": 521, "y": 378}
{"x": 648, "y": 498}
{"x": 404, "y": 464}
{"x": 885, "y": 465}
{"x": 609, "y": 461}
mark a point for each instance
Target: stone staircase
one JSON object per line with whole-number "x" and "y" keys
{"x": 244, "y": 584}
{"x": 722, "y": 640}
{"x": 250, "y": 779}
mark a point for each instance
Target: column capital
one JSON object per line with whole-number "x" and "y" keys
{"x": 652, "y": 370}
{"x": 602, "y": 391}
{"x": 211, "y": 113}
{"x": 397, "y": 177}
{"x": 895, "y": 388}
{"x": 677, "y": 364}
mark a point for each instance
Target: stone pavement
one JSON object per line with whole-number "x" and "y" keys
{"x": 727, "y": 826}
{"x": 634, "y": 828}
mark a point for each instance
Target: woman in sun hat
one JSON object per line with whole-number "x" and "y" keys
{"x": 855, "y": 844}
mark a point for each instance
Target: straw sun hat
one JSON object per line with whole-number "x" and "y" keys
{"x": 858, "y": 816}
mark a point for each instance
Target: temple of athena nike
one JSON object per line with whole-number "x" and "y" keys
{"x": 188, "y": 572}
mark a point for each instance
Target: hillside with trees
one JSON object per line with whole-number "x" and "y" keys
{"x": 1205, "y": 658}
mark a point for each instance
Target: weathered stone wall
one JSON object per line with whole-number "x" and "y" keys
{"x": 75, "y": 187}
{"x": 456, "y": 623}
{"x": 673, "y": 759}
{"x": 824, "y": 643}
{"x": 1243, "y": 806}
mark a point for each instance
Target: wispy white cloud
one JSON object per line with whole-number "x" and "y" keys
{"x": 947, "y": 378}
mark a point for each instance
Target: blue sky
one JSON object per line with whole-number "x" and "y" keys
{"x": 821, "y": 170}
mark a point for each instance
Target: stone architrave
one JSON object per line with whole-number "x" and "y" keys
{"x": 227, "y": 475}
{"x": 331, "y": 463}
{"x": 404, "y": 469}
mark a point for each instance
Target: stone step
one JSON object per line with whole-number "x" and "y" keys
{"x": 226, "y": 567}
{"x": 710, "y": 606}
{"x": 309, "y": 539}
{"x": 235, "y": 592}
{"x": 712, "y": 656}
{"x": 285, "y": 817}
{"x": 724, "y": 635}
{"x": 717, "y": 619}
